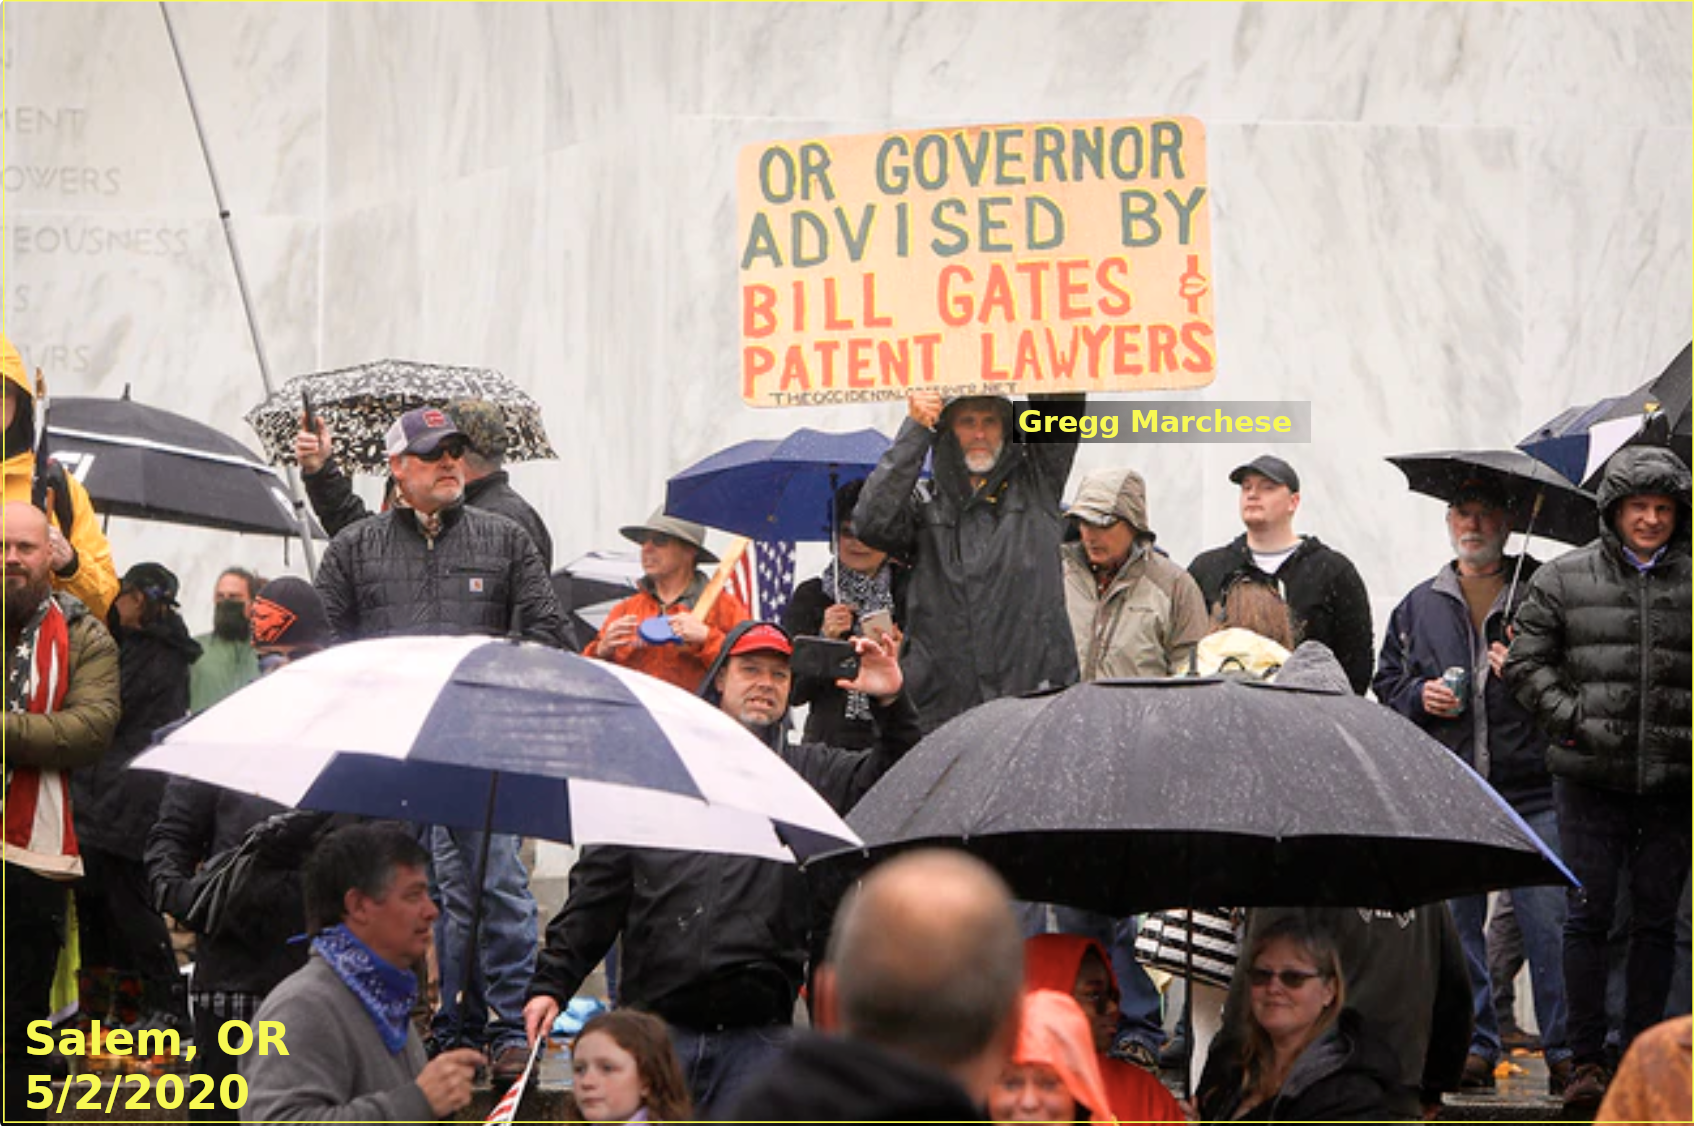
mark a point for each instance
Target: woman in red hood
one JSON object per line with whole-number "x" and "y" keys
{"x": 1054, "y": 1074}
{"x": 1079, "y": 967}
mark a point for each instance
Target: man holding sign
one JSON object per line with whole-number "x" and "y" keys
{"x": 985, "y": 610}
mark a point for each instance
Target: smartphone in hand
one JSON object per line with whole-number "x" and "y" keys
{"x": 819, "y": 658}
{"x": 877, "y": 624}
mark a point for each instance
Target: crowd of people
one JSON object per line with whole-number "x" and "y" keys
{"x": 936, "y": 996}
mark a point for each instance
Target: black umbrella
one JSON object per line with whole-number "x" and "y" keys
{"x": 588, "y": 587}
{"x": 1127, "y": 796}
{"x": 1579, "y": 441}
{"x": 149, "y": 464}
{"x": 1538, "y": 500}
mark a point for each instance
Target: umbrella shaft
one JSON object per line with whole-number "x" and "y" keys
{"x": 294, "y": 492}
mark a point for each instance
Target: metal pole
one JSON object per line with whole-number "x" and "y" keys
{"x": 1528, "y": 534}
{"x": 294, "y": 490}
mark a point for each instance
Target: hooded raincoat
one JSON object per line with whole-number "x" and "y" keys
{"x": 91, "y": 577}
{"x": 1055, "y": 1034}
{"x": 1148, "y": 616}
{"x": 1051, "y": 962}
{"x": 985, "y": 608}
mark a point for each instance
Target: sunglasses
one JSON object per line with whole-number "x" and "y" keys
{"x": 1291, "y": 980}
{"x": 658, "y": 539}
{"x": 454, "y": 450}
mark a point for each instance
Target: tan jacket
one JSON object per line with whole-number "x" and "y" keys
{"x": 1145, "y": 624}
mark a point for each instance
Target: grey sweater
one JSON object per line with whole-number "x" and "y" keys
{"x": 336, "y": 1069}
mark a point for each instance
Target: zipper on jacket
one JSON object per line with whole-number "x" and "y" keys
{"x": 1644, "y": 603}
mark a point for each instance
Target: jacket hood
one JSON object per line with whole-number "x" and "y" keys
{"x": 708, "y": 690}
{"x": 1635, "y": 470}
{"x": 1055, "y": 1032}
{"x": 1343, "y": 1047}
{"x": 20, "y": 436}
{"x": 1108, "y": 493}
{"x": 1052, "y": 961}
{"x": 949, "y": 459}
{"x": 1313, "y": 666}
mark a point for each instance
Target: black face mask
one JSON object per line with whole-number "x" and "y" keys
{"x": 229, "y": 621}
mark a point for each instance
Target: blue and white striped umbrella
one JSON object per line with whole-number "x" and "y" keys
{"x": 419, "y": 728}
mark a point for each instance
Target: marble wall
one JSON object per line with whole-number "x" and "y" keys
{"x": 1440, "y": 223}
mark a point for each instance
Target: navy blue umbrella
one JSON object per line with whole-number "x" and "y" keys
{"x": 506, "y": 737}
{"x": 782, "y": 489}
{"x": 1579, "y": 441}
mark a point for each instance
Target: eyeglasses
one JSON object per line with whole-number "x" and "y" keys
{"x": 454, "y": 450}
{"x": 658, "y": 539}
{"x": 1260, "y": 978}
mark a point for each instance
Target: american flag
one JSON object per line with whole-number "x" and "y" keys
{"x": 764, "y": 579}
{"x": 507, "y": 1107}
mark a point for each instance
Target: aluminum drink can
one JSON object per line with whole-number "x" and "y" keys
{"x": 1457, "y": 680}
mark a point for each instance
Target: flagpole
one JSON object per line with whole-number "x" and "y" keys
{"x": 294, "y": 490}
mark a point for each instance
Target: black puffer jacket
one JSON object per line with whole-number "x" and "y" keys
{"x": 1601, "y": 654}
{"x": 383, "y": 577}
{"x": 337, "y": 506}
{"x": 986, "y": 603}
{"x": 114, "y": 806}
{"x": 1326, "y": 597}
{"x": 708, "y": 939}
{"x": 1346, "y": 1075}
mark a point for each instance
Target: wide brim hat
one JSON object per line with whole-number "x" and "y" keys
{"x": 685, "y": 530}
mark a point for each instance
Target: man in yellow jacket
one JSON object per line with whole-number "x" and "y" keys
{"x": 81, "y": 557}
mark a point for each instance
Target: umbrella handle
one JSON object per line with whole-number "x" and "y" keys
{"x": 1528, "y": 534}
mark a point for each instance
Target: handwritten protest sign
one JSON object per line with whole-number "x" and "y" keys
{"x": 1005, "y": 259}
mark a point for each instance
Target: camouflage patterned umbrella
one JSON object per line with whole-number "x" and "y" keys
{"x": 360, "y": 403}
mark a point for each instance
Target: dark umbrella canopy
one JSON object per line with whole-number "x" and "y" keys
{"x": 1125, "y": 796}
{"x": 150, "y": 464}
{"x": 780, "y": 489}
{"x": 1579, "y": 441}
{"x": 1565, "y": 513}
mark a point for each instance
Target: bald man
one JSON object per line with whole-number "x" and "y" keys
{"x": 923, "y": 983}
{"x": 61, "y": 709}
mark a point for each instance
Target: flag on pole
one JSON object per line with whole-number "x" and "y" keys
{"x": 507, "y": 1107}
{"x": 764, "y": 579}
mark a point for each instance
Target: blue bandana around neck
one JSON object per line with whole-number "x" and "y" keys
{"x": 386, "y": 991}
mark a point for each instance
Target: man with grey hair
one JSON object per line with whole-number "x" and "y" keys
{"x": 923, "y": 983}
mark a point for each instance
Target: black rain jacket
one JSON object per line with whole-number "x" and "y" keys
{"x": 985, "y": 607}
{"x": 113, "y": 805}
{"x": 708, "y": 940}
{"x": 1326, "y": 597}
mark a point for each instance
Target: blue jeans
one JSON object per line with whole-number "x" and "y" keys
{"x": 1140, "y": 1017}
{"x": 717, "y": 1064}
{"x": 1540, "y": 914}
{"x": 507, "y": 939}
{"x": 1605, "y": 832}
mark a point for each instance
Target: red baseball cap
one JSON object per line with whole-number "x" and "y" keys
{"x": 762, "y": 638}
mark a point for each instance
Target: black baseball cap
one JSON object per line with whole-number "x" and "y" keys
{"x": 1268, "y": 465}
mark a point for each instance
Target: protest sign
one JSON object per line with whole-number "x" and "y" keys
{"x": 1060, "y": 256}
